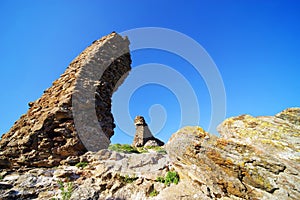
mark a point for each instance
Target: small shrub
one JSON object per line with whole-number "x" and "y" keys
{"x": 66, "y": 193}
{"x": 171, "y": 177}
{"x": 82, "y": 164}
{"x": 160, "y": 179}
{"x": 127, "y": 178}
{"x": 153, "y": 193}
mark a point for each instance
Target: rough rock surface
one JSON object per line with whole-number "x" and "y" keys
{"x": 143, "y": 135}
{"x": 47, "y": 133}
{"x": 108, "y": 175}
{"x": 255, "y": 158}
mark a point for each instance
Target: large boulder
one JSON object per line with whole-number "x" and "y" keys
{"x": 255, "y": 158}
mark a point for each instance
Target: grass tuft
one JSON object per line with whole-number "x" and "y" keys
{"x": 81, "y": 164}
{"x": 126, "y": 148}
{"x": 127, "y": 178}
{"x": 153, "y": 193}
{"x": 66, "y": 192}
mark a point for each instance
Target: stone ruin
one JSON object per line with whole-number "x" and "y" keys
{"x": 143, "y": 135}
{"x": 73, "y": 115}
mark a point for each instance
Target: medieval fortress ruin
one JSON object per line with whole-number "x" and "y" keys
{"x": 73, "y": 115}
{"x": 254, "y": 158}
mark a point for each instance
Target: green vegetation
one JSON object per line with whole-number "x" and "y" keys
{"x": 81, "y": 164}
{"x": 127, "y": 178}
{"x": 66, "y": 192}
{"x": 158, "y": 149}
{"x": 160, "y": 179}
{"x": 126, "y": 148}
{"x": 171, "y": 177}
{"x": 1, "y": 177}
{"x": 153, "y": 193}
{"x": 142, "y": 150}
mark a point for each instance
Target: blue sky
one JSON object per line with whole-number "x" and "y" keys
{"x": 254, "y": 44}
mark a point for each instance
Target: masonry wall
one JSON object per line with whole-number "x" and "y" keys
{"x": 74, "y": 114}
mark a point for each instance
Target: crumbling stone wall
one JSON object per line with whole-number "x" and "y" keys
{"x": 143, "y": 135}
{"x": 74, "y": 114}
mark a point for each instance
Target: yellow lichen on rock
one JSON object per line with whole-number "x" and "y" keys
{"x": 255, "y": 158}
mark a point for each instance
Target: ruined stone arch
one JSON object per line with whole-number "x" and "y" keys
{"x": 73, "y": 115}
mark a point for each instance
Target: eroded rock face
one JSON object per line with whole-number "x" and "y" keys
{"x": 66, "y": 120}
{"x": 108, "y": 175}
{"x": 143, "y": 135}
{"x": 255, "y": 158}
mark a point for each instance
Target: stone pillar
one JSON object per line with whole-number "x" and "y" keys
{"x": 143, "y": 135}
{"x": 74, "y": 114}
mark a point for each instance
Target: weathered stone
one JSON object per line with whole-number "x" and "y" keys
{"x": 74, "y": 114}
{"x": 185, "y": 190}
{"x": 4, "y": 162}
{"x": 5, "y": 186}
{"x": 255, "y": 158}
{"x": 146, "y": 165}
{"x": 143, "y": 135}
{"x": 292, "y": 115}
{"x": 152, "y": 143}
{"x": 106, "y": 176}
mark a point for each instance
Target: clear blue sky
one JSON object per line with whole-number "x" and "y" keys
{"x": 254, "y": 44}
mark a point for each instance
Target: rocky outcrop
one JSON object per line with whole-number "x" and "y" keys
{"x": 74, "y": 114}
{"x": 255, "y": 158}
{"x": 143, "y": 135}
{"x": 108, "y": 175}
